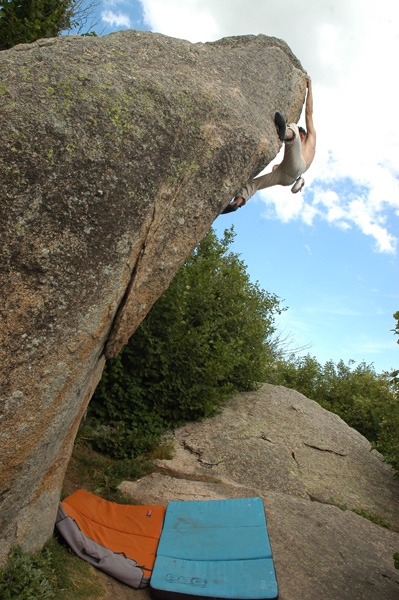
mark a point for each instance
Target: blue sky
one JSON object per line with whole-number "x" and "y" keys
{"x": 331, "y": 252}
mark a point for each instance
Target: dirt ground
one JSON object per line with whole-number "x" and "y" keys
{"x": 118, "y": 591}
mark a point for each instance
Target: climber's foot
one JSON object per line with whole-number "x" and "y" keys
{"x": 234, "y": 205}
{"x": 298, "y": 185}
{"x": 281, "y": 125}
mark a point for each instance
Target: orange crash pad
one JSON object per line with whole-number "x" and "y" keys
{"x": 119, "y": 539}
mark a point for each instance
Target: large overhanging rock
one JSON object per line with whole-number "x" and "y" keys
{"x": 116, "y": 155}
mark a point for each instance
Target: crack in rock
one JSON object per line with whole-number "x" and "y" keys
{"x": 325, "y": 449}
{"x": 209, "y": 465}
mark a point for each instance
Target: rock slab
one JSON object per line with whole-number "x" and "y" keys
{"x": 310, "y": 469}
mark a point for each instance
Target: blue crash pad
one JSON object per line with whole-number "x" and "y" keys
{"x": 214, "y": 549}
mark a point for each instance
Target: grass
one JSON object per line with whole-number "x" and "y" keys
{"x": 76, "y": 579}
{"x": 101, "y": 474}
{"x": 377, "y": 519}
{"x": 55, "y": 572}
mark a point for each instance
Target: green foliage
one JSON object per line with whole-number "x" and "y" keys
{"x": 24, "y": 22}
{"x": 396, "y": 330}
{"x": 395, "y": 374}
{"x": 368, "y": 402}
{"x": 102, "y": 474}
{"x": 75, "y": 579}
{"x": 27, "y": 576}
{"x": 55, "y": 572}
{"x": 388, "y": 442}
{"x": 396, "y": 560}
{"x": 204, "y": 339}
{"x": 354, "y": 393}
{"x": 377, "y": 519}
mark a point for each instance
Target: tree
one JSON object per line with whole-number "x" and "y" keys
{"x": 204, "y": 339}
{"x": 395, "y": 380}
{"x": 388, "y": 443}
{"x": 26, "y": 21}
{"x": 395, "y": 374}
{"x": 367, "y": 401}
{"x": 30, "y": 20}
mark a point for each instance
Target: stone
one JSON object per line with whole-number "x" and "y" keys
{"x": 311, "y": 470}
{"x": 116, "y": 155}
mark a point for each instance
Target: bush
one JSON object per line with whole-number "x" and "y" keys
{"x": 55, "y": 572}
{"x": 365, "y": 400}
{"x": 388, "y": 442}
{"x": 27, "y": 576}
{"x": 204, "y": 339}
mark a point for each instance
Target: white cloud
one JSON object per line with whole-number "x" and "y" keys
{"x": 309, "y": 213}
{"x": 114, "y": 19}
{"x": 347, "y": 46}
{"x": 371, "y": 224}
{"x": 371, "y": 347}
{"x": 344, "y": 209}
{"x": 282, "y": 205}
{"x": 189, "y": 19}
{"x": 111, "y": 3}
{"x": 330, "y": 201}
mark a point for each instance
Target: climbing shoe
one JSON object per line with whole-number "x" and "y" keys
{"x": 281, "y": 125}
{"x": 298, "y": 185}
{"x": 229, "y": 209}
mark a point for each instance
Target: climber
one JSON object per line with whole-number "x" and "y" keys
{"x": 299, "y": 152}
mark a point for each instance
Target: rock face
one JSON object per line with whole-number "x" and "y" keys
{"x": 312, "y": 471}
{"x": 116, "y": 155}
